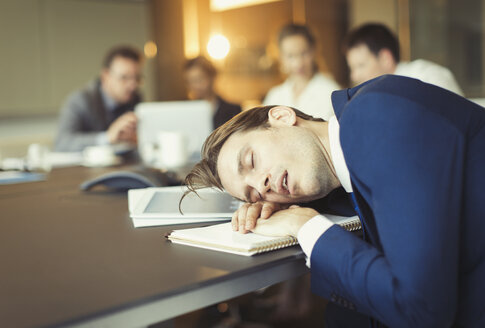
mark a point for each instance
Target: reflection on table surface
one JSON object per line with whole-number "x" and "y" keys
{"x": 72, "y": 256}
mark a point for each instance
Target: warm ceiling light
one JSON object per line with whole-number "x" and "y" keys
{"x": 218, "y": 46}
{"x": 150, "y": 49}
{"x": 221, "y": 5}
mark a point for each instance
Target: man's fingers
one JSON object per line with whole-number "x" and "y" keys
{"x": 128, "y": 130}
{"x": 130, "y": 121}
{"x": 253, "y": 213}
{"x": 123, "y": 128}
{"x": 245, "y": 218}
{"x": 268, "y": 228}
{"x": 285, "y": 222}
{"x": 234, "y": 221}
{"x": 268, "y": 209}
{"x": 129, "y": 116}
{"x": 128, "y": 125}
{"x": 241, "y": 217}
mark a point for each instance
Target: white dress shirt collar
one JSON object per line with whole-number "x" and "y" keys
{"x": 337, "y": 155}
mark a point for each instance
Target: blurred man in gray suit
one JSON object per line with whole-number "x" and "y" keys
{"x": 102, "y": 112}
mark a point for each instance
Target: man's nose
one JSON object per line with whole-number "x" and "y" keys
{"x": 298, "y": 61}
{"x": 260, "y": 182}
{"x": 133, "y": 84}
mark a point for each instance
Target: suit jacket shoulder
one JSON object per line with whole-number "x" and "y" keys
{"x": 82, "y": 118}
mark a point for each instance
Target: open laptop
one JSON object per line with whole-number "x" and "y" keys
{"x": 190, "y": 117}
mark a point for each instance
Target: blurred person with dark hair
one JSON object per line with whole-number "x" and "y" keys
{"x": 102, "y": 112}
{"x": 200, "y": 75}
{"x": 372, "y": 50}
{"x": 305, "y": 87}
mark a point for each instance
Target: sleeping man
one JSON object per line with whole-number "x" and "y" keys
{"x": 411, "y": 159}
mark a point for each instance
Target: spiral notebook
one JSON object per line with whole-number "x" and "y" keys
{"x": 220, "y": 237}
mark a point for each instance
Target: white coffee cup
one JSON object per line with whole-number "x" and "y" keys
{"x": 37, "y": 158}
{"x": 172, "y": 149}
{"x": 99, "y": 156}
{"x": 148, "y": 153}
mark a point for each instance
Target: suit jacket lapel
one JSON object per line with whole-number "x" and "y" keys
{"x": 339, "y": 100}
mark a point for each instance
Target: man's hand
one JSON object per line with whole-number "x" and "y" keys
{"x": 285, "y": 222}
{"x": 244, "y": 219}
{"x": 123, "y": 129}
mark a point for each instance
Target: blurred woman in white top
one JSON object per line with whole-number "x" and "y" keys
{"x": 305, "y": 87}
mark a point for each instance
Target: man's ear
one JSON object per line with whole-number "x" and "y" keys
{"x": 386, "y": 60}
{"x": 104, "y": 74}
{"x": 281, "y": 115}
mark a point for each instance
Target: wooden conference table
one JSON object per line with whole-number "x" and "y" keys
{"x": 73, "y": 258}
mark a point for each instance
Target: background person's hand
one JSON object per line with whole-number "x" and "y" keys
{"x": 244, "y": 219}
{"x": 123, "y": 129}
{"x": 285, "y": 222}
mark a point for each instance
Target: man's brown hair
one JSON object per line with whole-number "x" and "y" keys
{"x": 375, "y": 36}
{"x": 296, "y": 29}
{"x": 203, "y": 63}
{"x": 204, "y": 174}
{"x": 128, "y": 52}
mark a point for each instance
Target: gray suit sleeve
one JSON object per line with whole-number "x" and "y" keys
{"x": 75, "y": 128}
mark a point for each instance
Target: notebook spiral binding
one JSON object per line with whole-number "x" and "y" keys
{"x": 275, "y": 245}
{"x": 351, "y": 226}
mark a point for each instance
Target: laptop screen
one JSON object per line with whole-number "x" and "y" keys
{"x": 209, "y": 202}
{"x": 193, "y": 118}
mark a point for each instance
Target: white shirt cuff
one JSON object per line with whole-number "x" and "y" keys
{"x": 310, "y": 232}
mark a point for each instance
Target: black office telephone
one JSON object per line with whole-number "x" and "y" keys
{"x": 132, "y": 179}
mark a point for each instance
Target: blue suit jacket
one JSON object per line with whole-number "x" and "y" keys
{"x": 416, "y": 157}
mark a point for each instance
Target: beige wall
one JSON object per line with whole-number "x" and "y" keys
{"x": 51, "y": 47}
{"x": 383, "y": 11}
